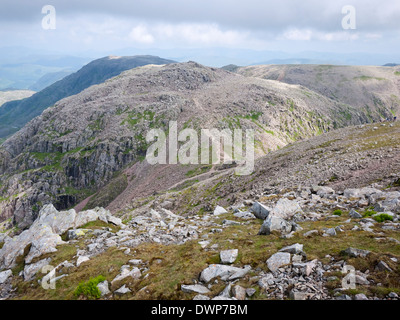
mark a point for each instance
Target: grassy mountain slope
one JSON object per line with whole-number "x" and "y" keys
{"x": 14, "y": 115}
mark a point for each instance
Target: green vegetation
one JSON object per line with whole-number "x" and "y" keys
{"x": 338, "y": 212}
{"x": 383, "y": 217}
{"x": 89, "y": 288}
{"x": 369, "y": 213}
{"x": 397, "y": 73}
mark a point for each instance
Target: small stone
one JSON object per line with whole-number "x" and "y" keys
{"x": 250, "y": 292}
{"x": 5, "y": 275}
{"x": 354, "y": 253}
{"x": 330, "y": 232}
{"x": 123, "y": 290}
{"x": 219, "y": 210}
{"x": 354, "y": 214}
{"x": 201, "y": 297}
{"x": 81, "y": 259}
{"x": 393, "y": 295}
{"x": 239, "y": 292}
{"x": 293, "y": 249}
{"x": 382, "y": 266}
{"x": 197, "y": 288}
{"x": 295, "y": 295}
{"x": 360, "y": 296}
{"x": 310, "y": 233}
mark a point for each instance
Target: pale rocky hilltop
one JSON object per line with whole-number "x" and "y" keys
{"x": 375, "y": 90}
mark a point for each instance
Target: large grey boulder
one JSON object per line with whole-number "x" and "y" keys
{"x": 31, "y": 270}
{"x": 278, "y": 260}
{"x": 225, "y": 272}
{"x": 260, "y": 211}
{"x": 285, "y": 209}
{"x": 275, "y": 224}
{"x": 103, "y": 288}
{"x": 228, "y": 256}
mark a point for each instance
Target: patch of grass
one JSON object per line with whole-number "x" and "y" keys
{"x": 337, "y": 212}
{"x": 89, "y": 288}
{"x": 383, "y": 217}
{"x": 369, "y": 213}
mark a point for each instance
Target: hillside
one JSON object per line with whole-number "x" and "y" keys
{"x": 374, "y": 90}
{"x": 14, "y": 115}
{"x": 276, "y": 234}
{"x": 74, "y": 148}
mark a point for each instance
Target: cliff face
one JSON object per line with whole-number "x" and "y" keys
{"x": 76, "y": 147}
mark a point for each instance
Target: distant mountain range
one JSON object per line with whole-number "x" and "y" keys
{"x": 15, "y": 114}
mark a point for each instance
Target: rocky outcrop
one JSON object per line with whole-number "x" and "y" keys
{"x": 45, "y": 234}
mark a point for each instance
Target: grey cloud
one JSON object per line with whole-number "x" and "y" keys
{"x": 323, "y": 15}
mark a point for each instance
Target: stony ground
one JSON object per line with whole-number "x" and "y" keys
{"x": 294, "y": 245}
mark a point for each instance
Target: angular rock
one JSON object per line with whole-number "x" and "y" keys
{"x": 31, "y": 270}
{"x": 360, "y": 296}
{"x": 330, "y": 232}
{"x": 228, "y": 256}
{"x": 81, "y": 259}
{"x": 382, "y": 266}
{"x": 223, "y": 271}
{"x": 354, "y": 214}
{"x": 310, "y": 233}
{"x": 219, "y": 210}
{"x": 134, "y": 274}
{"x": 123, "y": 290}
{"x": 245, "y": 215}
{"x": 278, "y": 260}
{"x": 5, "y": 275}
{"x": 354, "y": 253}
{"x": 103, "y": 288}
{"x": 286, "y": 209}
{"x": 275, "y": 224}
{"x": 239, "y": 292}
{"x": 44, "y": 234}
{"x": 250, "y": 292}
{"x": 260, "y": 211}
{"x": 293, "y": 249}
{"x": 197, "y": 288}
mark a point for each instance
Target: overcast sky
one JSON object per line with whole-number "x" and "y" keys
{"x": 285, "y": 25}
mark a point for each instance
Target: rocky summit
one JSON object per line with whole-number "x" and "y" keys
{"x": 83, "y": 215}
